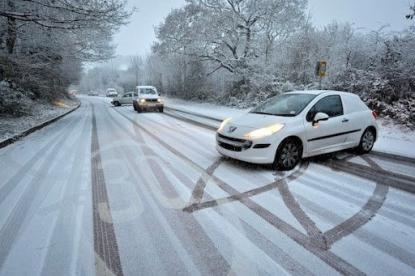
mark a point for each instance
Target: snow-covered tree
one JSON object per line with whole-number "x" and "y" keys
{"x": 44, "y": 42}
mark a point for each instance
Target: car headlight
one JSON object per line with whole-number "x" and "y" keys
{"x": 159, "y": 100}
{"x": 223, "y": 124}
{"x": 263, "y": 132}
{"x": 142, "y": 101}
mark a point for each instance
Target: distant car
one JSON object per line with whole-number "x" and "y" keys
{"x": 111, "y": 93}
{"x": 93, "y": 93}
{"x": 147, "y": 99}
{"x": 298, "y": 124}
{"x": 126, "y": 98}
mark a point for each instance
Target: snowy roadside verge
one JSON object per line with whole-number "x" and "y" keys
{"x": 393, "y": 138}
{"x": 13, "y": 129}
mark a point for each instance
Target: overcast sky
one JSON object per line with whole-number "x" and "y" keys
{"x": 138, "y": 36}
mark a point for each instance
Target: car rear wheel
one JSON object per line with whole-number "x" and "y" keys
{"x": 117, "y": 104}
{"x": 367, "y": 141}
{"x": 288, "y": 155}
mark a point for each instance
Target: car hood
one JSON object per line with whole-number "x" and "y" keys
{"x": 149, "y": 97}
{"x": 240, "y": 126}
{"x": 252, "y": 120}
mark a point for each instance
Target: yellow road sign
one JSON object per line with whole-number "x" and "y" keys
{"x": 321, "y": 68}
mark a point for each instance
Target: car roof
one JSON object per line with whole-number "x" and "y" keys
{"x": 319, "y": 92}
{"x": 146, "y": 86}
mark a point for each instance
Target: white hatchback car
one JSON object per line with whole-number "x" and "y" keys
{"x": 298, "y": 124}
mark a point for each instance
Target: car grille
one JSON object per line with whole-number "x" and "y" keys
{"x": 232, "y": 144}
{"x": 151, "y": 100}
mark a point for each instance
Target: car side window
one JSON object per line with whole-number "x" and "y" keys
{"x": 331, "y": 105}
{"x": 127, "y": 95}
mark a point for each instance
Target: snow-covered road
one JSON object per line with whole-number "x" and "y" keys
{"x": 108, "y": 191}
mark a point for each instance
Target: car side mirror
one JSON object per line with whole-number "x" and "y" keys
{"x": 320, "y": 116}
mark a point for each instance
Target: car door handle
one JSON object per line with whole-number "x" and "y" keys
{"x": 345, "y": 120}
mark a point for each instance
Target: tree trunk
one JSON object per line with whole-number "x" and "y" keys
{"x": 11, "y": 30}
{"x": 268, "y": 49}
{"x": 11, "y": 35}
{"x": 248, "y": 42}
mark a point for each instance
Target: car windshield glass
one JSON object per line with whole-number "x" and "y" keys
{"x": 147, "y": 91}
{"x": 284, "y": 105}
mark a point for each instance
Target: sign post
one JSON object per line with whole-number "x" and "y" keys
{"x": 321, "y": 71}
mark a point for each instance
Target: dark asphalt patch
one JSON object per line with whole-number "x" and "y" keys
{"x": 105, "y": 242}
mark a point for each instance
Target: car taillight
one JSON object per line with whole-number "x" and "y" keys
{"x": 375, "y": 114}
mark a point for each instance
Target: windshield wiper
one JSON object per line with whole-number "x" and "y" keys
{"x": 273, "y": 114}
{"x": 263, "y": 113}
{"x": 286, "y": 115}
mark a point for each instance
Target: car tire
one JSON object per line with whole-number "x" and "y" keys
{"x": 134, "y": 106}
{"x": 367, "y": 141}
{"x": 117, "y": 104}
{"x": 288, "y": 155}
{"x": 139, "y": 110}
{"x": 161, "y": 109}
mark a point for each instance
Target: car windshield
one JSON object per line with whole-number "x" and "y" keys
{"x": 288, "y": 105}
{"x": 147, "y": 91}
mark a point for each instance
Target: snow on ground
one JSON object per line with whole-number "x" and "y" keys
{"x": 41, "y": 112}
{"x": 393, "y": 138}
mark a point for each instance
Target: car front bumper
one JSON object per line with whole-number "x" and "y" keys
{"x": 149, "y": 105}
{"x": 259, "y": 152}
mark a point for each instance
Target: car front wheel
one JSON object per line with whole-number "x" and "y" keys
{"x": 288, "y": 155}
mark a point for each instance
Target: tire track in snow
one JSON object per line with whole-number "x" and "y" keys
{"x": 328, "y": 257}
{"x": 377, "y": 174}
{"x": 56, "y": 259}
{"x": 196, "y": 204}
{"x": 13, "y": 182}
{"x": 375, "y": 202}
{"x": 196, "y": 236}
{"x": 365, "y": 214}
{"x": 105, "y": 242}
{"x": 362, "y": 234}
{"x": 14, "y": 222}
